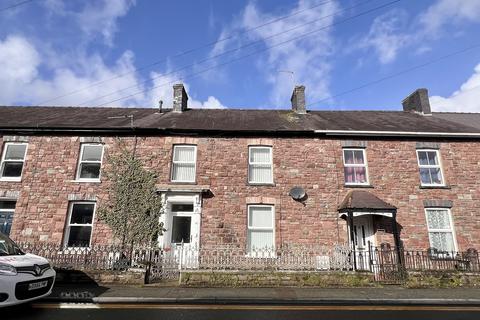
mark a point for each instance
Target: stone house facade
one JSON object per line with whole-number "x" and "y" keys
{"x": 253, "y": 178}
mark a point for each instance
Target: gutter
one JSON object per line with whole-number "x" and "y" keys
{"x": 280, "y": 133}
{"x": 397, "y": 133}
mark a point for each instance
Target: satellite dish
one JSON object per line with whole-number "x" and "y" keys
{"x": 297, "y": 193}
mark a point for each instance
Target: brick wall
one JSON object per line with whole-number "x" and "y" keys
{"x": 314, "y": 164}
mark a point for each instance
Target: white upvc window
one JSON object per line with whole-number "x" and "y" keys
{"x": 78, "y": 230}
{"x": 260, "y": 230}
{"x": 355, "y": 166}
{"x": 90, "y": 162}
{"x": 13, "y": 159}
{"x": 440, "y": 229}
{"x": 184, "y": 162}
{"x": 260, "y": 165}
{"x": 430, "y": 168}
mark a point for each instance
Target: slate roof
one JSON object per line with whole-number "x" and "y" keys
{"x": 232, "y": 120}
{"x": 469, "y": 119}
{"x": 364, "y": 200}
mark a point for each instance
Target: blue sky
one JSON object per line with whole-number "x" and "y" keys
{"x": 129, "y": 53}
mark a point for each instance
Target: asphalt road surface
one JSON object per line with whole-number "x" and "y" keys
{"x": 70, "y": 311}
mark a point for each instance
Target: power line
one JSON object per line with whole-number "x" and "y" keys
{"x": 15, "y": 5}
{"x": 245, "y": 56}
{"x": 393, "y": 75}
{"x": 219, "y": 55}
{"x": 186, "y": 52}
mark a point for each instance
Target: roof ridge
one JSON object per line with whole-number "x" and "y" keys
{"x": 452, "y": 112}
{"x": 79, "y": 107}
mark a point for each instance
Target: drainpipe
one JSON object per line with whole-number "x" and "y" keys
{"x": 396, "y": 238}
{"x": 352, "y": 238}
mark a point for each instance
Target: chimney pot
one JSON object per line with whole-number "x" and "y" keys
{"x": 180, "y": 98}
{"x": 417, "y": 102}
{"x": 298, "y": 100}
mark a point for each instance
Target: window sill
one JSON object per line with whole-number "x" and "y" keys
{"x": 253, "y": 184}
{"x": 435, "y": 187}
{"x": 86, "y": 181}
{"x": 183, "y": 182}
{"x": 368, "y": 186}
{"x": 11, "y": 179}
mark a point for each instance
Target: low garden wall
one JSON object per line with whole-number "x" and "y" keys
{"x": 276, "y": 279}
{"x": 442, "y": 279}
{"x": 130, "y": 277}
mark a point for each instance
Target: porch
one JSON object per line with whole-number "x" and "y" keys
{"x": 361, "y": 210}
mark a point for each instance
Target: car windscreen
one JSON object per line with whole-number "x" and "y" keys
{"x": 8, "y": 247}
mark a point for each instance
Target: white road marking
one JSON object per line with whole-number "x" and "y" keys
{"x": 251, "y": 307}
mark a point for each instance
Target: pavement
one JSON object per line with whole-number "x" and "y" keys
{"x": 149, "y": 294}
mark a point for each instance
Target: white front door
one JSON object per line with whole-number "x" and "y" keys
{"x": 182, "y": 235}
{"x": 363, "y": 237}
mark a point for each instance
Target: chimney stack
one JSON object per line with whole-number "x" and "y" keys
{"x": 417, "y": 102}
{"x": 298, "y": 100}
{"x": 180, "y": 98}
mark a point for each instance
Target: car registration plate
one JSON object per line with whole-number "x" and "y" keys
{"x": 37, "y": 285}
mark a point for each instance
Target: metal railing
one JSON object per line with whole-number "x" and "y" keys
{"x": 169, "y": 262}
{"x": 95, "y": 257}
{"x": 184, "y": 256}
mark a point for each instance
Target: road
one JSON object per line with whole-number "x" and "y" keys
{"x": 70, "y": 311}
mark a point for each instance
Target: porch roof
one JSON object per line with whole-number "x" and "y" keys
{"x": 358, "y": 200}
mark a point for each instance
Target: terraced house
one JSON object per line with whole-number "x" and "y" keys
{"x": 253, "y": 178}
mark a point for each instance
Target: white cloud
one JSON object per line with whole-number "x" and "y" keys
{"x": 19, "y": 61}
{"x": 307, "y": 57}
{"x": 466, "y": 99}
{"x": 23, "y": 83}
{"x": 393, "y": 31}
{"x": 444, "y": 12}
{"x": 102, "y": 17}
{"x": 385, "y": 35}
{"x": 96, "y": 19}
{"x": 210, "y": 103}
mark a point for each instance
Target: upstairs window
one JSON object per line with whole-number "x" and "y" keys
{"x": 13, "y": 159}
{"x": 261, "y": 222}
{"x": 184, "y": 163}
{"x": 355, "y": 167}
{"x": 430, "y": 168}
{"x": 90, "y": 162}
{"x": 440, "y": 230}
{"x": 78, "y": 232}
{"x": 260, "y": 166}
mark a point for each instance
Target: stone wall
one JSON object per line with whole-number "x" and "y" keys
{"x": 92, "y": 277}
{"x": 48, "y": 182}
{"x": 442, "y": 279}
{"x": 276, "y": 279}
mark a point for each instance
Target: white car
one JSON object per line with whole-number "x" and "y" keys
{"x": 23, "y": 277}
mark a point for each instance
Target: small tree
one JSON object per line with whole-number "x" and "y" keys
{"x": 133, "y": 208}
